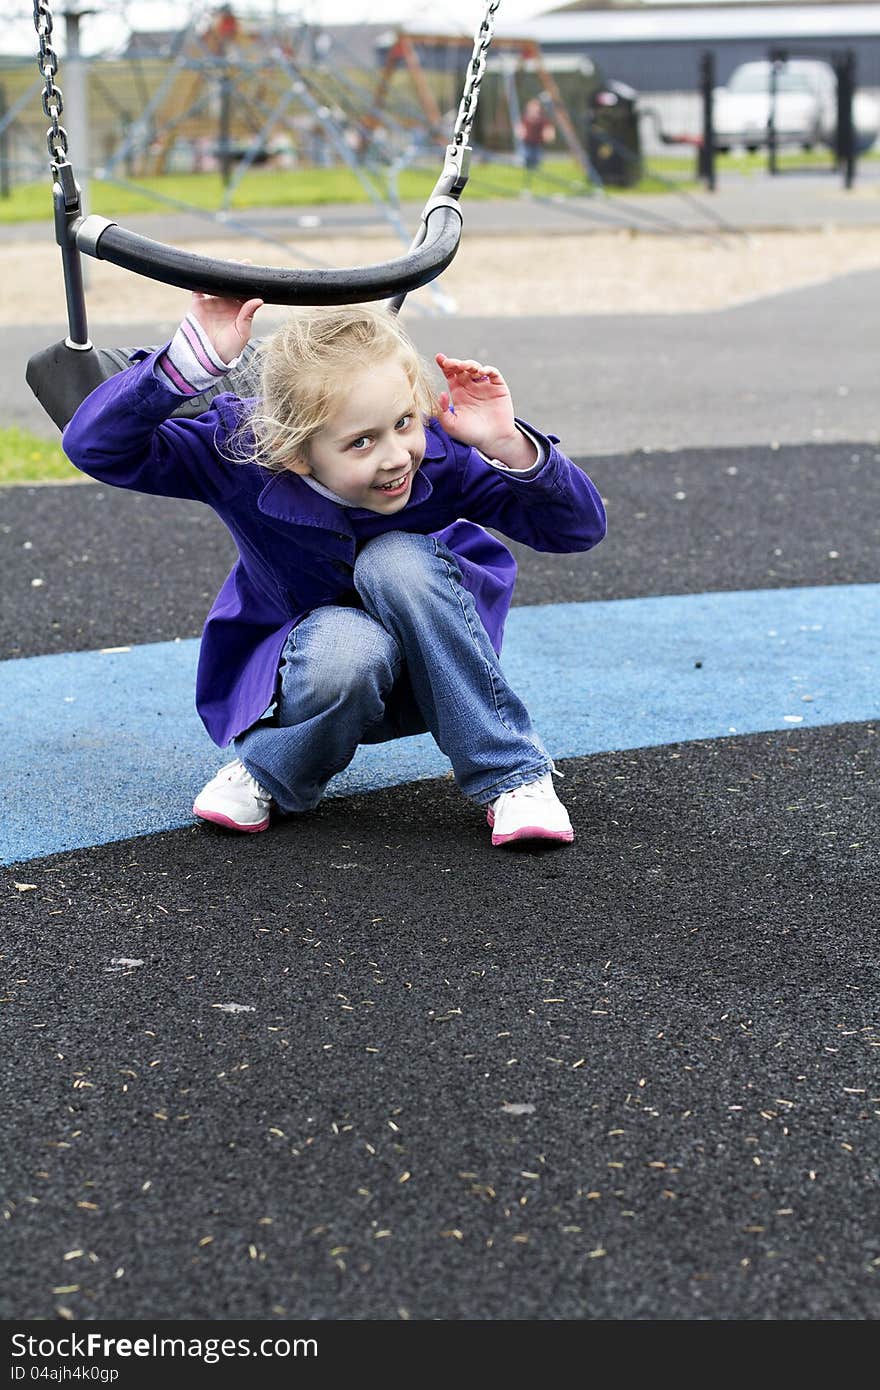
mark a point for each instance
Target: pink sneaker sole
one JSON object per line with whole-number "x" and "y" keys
{"x": 216, "y": 818}
{"x": 528, "y": 832}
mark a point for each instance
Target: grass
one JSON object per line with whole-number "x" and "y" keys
{"x": 745, "y": 163}
{"x": 309, "y": 187}
{"x": 26, "y": 458}
{"x": 32, "y": 202}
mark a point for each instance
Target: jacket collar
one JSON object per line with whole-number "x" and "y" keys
{"x": 288, "y": 497}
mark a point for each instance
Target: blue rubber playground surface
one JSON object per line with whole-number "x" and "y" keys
{"x": 365, "y": 1067}
{"x": 119, "y": 723}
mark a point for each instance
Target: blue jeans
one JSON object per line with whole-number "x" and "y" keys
{"x": 414, "y": 658}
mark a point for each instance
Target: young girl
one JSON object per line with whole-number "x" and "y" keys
{"x": 367, "y": 601}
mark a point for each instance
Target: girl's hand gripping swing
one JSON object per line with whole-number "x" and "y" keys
{"x": 227, "y": 322}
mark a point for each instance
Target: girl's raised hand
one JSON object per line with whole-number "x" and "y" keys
{"x": 228, "y": 322}
{"x": 477, "y": 408}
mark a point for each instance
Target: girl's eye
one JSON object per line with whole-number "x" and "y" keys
{"x": 404, "y": 422}
{"x": 361, "y": 442}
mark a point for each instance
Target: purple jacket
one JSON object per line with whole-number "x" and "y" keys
{"x": 297, "y": 548}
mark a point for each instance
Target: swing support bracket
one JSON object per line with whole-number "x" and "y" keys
{"x": 68, "y": 213}
{"x": 454, "y": 176}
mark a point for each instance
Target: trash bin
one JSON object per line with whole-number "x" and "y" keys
{"x": 612, "y": 138}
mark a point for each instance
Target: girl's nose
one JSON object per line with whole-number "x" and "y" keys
{"x": 400, "y": 452}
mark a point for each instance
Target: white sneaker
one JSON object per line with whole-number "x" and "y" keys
{"x": 235, "y": 799}
{"x": 532, "y": 812}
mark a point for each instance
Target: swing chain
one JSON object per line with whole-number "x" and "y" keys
{"x": 470, "y": 96}
{"x": 53, "y": 102}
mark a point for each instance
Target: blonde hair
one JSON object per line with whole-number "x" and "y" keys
{"x": 304, "y": 370}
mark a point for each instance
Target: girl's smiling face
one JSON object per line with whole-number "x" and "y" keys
{"x": 370, "y": 448}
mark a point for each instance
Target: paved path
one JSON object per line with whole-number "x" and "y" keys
{"x": 617, "y": 383}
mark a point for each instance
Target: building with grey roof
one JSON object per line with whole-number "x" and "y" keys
{"x": 656, "y": 48}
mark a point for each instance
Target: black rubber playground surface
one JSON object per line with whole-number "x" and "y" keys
{"x": 365, "y": 1067}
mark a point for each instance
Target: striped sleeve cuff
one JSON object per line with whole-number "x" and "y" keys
{"x": 523, "y": 473}
{"x": 190, "y": 364}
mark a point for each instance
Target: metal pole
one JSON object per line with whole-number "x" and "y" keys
{"x": 771, "y": 119}
{"x": 224, "y": 131}
{"x": 5, "y": 179}
{"x": 846, "y": 146}
{"x": 850, "y": 123}
{"x": 76, "y": 106}
{"x": 707, "y": 152}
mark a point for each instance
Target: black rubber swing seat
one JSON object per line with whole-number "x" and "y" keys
{"x": 61, "y": 376}
{"x": 422, "y": 263}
